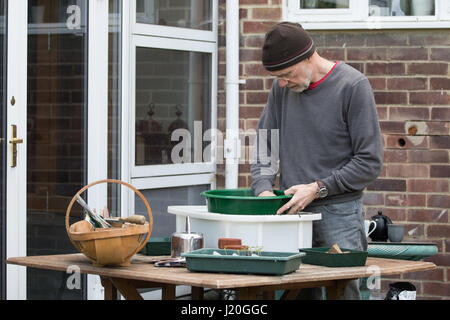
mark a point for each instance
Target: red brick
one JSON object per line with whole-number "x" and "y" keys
{"x": 438, "y": 201}
{"x": 440, "y": 259}
{"x": 417, "y": 200}
{"x": 333, "y": 54}
{"x": 440, "y": 142}
{"x": 396, "y": 200}
{"x": 408, "y": 170}
{"x": 436, "y": 275}
{"x": 252, "y": 2}
{"x": 429, "y": 98}
{"x": 431, "y": 156}
{"x": 378, "y": 83}
{"x": 392, "y": 127}
{"x": 429, "y": 39}
{"x": 427, "y": 185}
{"x": 366, "y": 54}
{"x": 409, "y": 113}
{"x": 386, "y": 39}
{"x": 381, "y": 68}
{"x": 246, "y": 55}
{"x": 440, "y": 83}
{"x": 250, "y": 112}
{"x": 389, "y": 97}
{"x": 414, "y": 230}
{"x": 408, "y": 54}
{"x": 387, "y": 185}
{"x": 253, "y": 84}
{"x": 440, "y": 171}
{"x": 428, "y": 215}
{"x": 257, "y": 97}
{"x": 442, "y": 54}
{"x": 395, "y": 214}
{"x": 266, "y": 13}
{"x": 440, "y": 113}
{"x": 428, "y": 68}
{"x": 382, "y": 113}
{"x": 254, "y": 69}
{"x": 257, "y": 27}
{"x": 395, "y": 156}
{"x": 407, "y": 83}
{"x": 254, "y": 41}
{"x": 372, "y": 198}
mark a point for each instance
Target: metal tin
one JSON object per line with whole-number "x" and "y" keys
{"x": 183, "y": 242}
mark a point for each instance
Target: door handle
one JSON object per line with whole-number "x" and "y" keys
{"x": 14, "y": 141}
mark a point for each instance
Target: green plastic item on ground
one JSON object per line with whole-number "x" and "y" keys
{"x": 320, "y": 256}
{"x": 244, "y": 202}
{"x": 157, "y": 246}
{"x": 242, "y": 261}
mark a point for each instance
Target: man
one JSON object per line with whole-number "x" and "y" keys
{"x": 330, "y": 145}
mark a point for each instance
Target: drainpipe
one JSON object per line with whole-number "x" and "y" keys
{"x": 232, "y": 145}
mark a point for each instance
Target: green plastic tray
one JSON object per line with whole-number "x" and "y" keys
{"x": 402, "y": 250}
{"x": 157, "y": 247}
{"x": 269, "y": 263}
{"x": 319, "y": 256}
{"x": 243, "y": 201}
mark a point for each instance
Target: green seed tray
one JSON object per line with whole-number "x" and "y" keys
{"x": 157, "y": 247}
{"x": 319, "y": 256}
{"x": 244, "y": 202}
{"x": 268, "y": 263}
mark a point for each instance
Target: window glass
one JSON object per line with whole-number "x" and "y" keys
{"x": 401, "y": 8}
{"x": 159, "y": 199}
{"x": 194, "y": 14}
{"x": 324, "y": 4}
{"x": 56, "y": 136}
{"x": 173, "y": 91}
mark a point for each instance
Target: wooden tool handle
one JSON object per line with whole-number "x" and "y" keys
{"x": 150, "y": 217}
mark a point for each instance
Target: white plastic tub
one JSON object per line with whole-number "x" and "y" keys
{"x": 283, "y": 233}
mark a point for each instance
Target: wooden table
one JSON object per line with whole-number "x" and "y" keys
{"x": 143, "y": 274}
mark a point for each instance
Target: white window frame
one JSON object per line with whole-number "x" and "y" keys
{"x": 172, "y": 38}
{"x": 357, "y": 17}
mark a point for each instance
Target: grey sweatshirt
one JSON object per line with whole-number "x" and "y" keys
{"x": 329, "y": 133}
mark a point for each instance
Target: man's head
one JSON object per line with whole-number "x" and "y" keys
{"x": 286, "y": 53}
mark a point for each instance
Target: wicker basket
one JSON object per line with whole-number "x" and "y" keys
{"x": 109, "y": 246}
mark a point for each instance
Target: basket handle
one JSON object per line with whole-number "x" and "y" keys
{"x": 150, "y": 217}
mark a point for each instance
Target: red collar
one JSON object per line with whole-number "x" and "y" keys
{"x": 316, "y": 84}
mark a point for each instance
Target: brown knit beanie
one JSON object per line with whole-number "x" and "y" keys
{"x": 286, "y": 44}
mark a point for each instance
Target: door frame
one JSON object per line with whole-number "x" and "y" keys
{"x": 97, "y": 128}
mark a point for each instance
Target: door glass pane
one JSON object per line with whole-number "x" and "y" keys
{"x": 194, "y": 14}
{"x": 324, "y": 4}
{"x": 401, "y": 8}
{"x": 56, "y": 115}
{"x": 173, "y": 91}
{"x": 114, "y": 102}
{"x": 159, "y": 199}
{"x": 2, "y": 147}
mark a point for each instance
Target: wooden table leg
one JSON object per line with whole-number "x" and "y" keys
{"x": 109, "y": 289}
{"x": 269, "y": 295}
{"x": 197, "y": 293}
{"x": 168, "y": 292}
{"x": 126, "y": 288}
{"x": 336, "y": 291}
{"x": 249, "y": 293}
{"x": 290, "y": 294}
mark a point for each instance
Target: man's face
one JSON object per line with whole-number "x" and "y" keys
{"x": 297, "y": 77}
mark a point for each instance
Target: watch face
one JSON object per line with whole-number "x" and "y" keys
{"x": 323, "y": 192}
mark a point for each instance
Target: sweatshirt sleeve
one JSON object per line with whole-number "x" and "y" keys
{"x": 264, "y": 165}
{"x": 367, "y": 145}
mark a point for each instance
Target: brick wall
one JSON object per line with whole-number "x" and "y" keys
{"x": 409, "y": 72}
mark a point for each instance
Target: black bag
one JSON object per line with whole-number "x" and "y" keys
{"x": 401, "y": 291}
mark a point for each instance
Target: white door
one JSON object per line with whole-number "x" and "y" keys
{"x": 59, "y": 120}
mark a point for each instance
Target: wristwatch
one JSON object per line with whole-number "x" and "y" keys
{"x": 323, "y": 191}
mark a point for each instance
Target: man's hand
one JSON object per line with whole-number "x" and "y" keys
{"x": 267, "y": 194}
{"x": 303, "y": 194}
